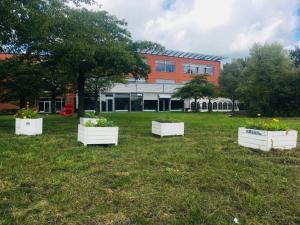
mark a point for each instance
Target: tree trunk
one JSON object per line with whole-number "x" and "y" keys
{"x": 22, "y": 102}
{"x": 96, "y": 96}
{"x": 80, "y": 88}
{"x": 195, "y": 107}
{"x": 53, "y": 98}
{"x": 209, "y": 105}
{"x": 233, "y": 102}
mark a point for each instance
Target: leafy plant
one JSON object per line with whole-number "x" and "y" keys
{"x": 90, "y": 115}
{"x": 26, "y": 113}
{"x": 273, "y": 125}
{"x": 102, "y": 122}
{"x": 168, "y": 119}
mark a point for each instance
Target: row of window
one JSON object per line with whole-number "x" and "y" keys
{"x": 215, "y": 106}
{"x": 197, "y": 69}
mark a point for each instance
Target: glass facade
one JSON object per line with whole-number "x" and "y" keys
{"x": 122, "y": 102}
{"x": 136, "y": 102}
{"x": 198, "y": 69}
{"x": 165, "y": 66}
{"x": 150, "y": 105}
{"x": 177, "y": 105}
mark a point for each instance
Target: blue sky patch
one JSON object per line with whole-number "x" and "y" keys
{"x": 167, "y": 4}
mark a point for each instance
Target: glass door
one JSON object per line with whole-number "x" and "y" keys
{"x": 164, "y": 104}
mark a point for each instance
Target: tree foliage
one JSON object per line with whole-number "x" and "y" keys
{"x": 295, "y": 56}
{"x": 20, "y": 79}
{"x": 71, "y": 44}
{"x": 197, "y": 88}
{"x": 230, "y": 79}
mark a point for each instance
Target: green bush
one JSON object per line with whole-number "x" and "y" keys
{"x": 102, "y": 122}
{"x": 26, "y": 114}
{"x": 90, "y": 115}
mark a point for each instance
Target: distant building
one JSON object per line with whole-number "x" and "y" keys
{"x": 169, "y": 71}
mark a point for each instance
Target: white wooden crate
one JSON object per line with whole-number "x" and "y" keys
{"x": 29, "y": 126}
{"x": 267, "y": 140}
{"x": 167, "y": 129}
{"x": 97, "y": 135}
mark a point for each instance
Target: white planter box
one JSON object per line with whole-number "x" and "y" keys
{"x": 167, "y": 129}
{"x": 83, "y": 120}
{"x": 267, "y": 140}
{"x": 29, "y": 126}
{"x": 98, "y": 135}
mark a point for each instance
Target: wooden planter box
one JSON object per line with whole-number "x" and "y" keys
{"x": 97, "y": 135}
{"x": 29, "y": 126}
{"x": 267, "y": 140}
{"x": 83, "y": 120}
{"x": 167, "y": 129}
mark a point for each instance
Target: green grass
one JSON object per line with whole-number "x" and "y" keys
{"x": 201, "y": 178}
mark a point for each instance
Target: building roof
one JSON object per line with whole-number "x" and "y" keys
{"x": 186, "y": 55}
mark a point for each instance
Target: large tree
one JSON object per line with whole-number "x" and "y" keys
{"x": 197, "y": 88}
{"x": 260, "y": 82}
{"x": 230, "y": 78}
{"x": 295, "y": 56}
{"x": 20, "y": 79}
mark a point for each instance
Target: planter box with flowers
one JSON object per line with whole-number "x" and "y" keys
{"x": 167, "y": 128}
{"x": 28, "y": 123}
{"x": 101, "y": 132}
{"x": 267, "y": 135}
{"x": 89, "y": 116}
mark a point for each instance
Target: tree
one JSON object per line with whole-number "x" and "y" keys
{"x": 20, "y": 79}
{"x": 259, "y": 85}
{"x": 230, "y": 79}
{"x": 197, "y": 88}
{"x": 54, "y": 79}
{"x": 295, "y": 56}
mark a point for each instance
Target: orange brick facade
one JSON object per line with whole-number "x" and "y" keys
{"x": 178, "y": 75}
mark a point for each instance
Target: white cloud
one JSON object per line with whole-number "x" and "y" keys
{"x": 227, "y": 27}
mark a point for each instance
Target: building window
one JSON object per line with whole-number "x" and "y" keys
{"x": 150, "y": 105}
{"x": 122, "y": 102}
{"x": 215, "y": 106}
{"x": 220, "y": 106}
{"x": 164, "y": 81}
{"x": 165, "y": 66}
{"x": 230, "y": 105}
{"x": 198, "y": 69}
{"x": 225, "y": 105}
{"x": 204, "y": 105}
{"x": 177, "y": 105}
{"x": 136, "y": 102}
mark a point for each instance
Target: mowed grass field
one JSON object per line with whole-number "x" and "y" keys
{"x": 201, "y": 178}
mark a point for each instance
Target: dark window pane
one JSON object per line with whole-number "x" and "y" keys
{"x": 150, "y": 105}
{"x": 136, "y": 102}
{"x": 177, "y": 105}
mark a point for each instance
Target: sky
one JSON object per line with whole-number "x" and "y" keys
{"x": 219, "y": 27}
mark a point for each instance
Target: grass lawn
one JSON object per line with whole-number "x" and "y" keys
{"x": 201, "y": 178}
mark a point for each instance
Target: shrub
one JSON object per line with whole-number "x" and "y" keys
{"x": 26, "y": 114}
{"x": 102, "y": 122}
{"x": 90, "y": 115}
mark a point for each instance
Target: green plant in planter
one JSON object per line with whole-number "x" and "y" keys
{"x": 90, "y": 115}
{"x": 168, "y": 119}
{"x": 102, "y": 122}
{"x": 273, "y": 125}
{"x": 26, "y": 113}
